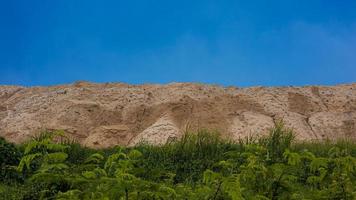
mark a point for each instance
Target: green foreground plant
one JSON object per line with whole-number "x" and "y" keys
{"x": 198, "y": 166}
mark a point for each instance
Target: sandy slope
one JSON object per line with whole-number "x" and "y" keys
{"x": 102, "y": 115}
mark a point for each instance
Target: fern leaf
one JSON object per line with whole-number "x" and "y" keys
{"x": 95, "y": 158}
{"x": 27, "y": 160}
{"x": 57, "y": 157}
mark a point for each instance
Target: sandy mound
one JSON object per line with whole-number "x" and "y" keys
{"x": 103, "y": 115}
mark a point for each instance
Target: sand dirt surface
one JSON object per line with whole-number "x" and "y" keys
{"x": 104, "y": 115}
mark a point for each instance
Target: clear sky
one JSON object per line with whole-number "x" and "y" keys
{"x": 241, "y": 43}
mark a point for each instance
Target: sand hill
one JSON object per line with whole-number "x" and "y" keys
{"x": 102, "y": 115}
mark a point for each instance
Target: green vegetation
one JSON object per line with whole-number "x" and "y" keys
{"x": 199, "y": 166}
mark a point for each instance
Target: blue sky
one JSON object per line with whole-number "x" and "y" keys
{"x": 241, "y": 43}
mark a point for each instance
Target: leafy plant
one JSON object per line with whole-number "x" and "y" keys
{"x": 200, "y": 166}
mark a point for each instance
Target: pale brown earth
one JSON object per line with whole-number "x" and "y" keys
{"x": 103, "y": 115}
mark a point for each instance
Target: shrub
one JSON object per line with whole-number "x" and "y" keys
{"x": 10, "y": 156}
{"x": 77, "y": 154}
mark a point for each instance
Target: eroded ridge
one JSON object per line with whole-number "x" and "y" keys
{"x": 103, "y": 115}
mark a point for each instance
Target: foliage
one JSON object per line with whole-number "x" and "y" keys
{"x": 200, "y": 166}
{"x": 9, "y": 157}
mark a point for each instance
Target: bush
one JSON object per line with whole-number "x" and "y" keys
{"x": 45, "y": 186}
{"x": 77, "y": 153}
{"x": 10, "y": 157}
{"x": 9, "y": 154}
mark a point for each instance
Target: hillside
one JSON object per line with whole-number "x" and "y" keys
{"x": 103, "y": 115}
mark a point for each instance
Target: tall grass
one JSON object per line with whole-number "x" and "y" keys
{"x": 188, "y": 157}
{"x": 277, "y": 141}
{"x": 321, "y": 148}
